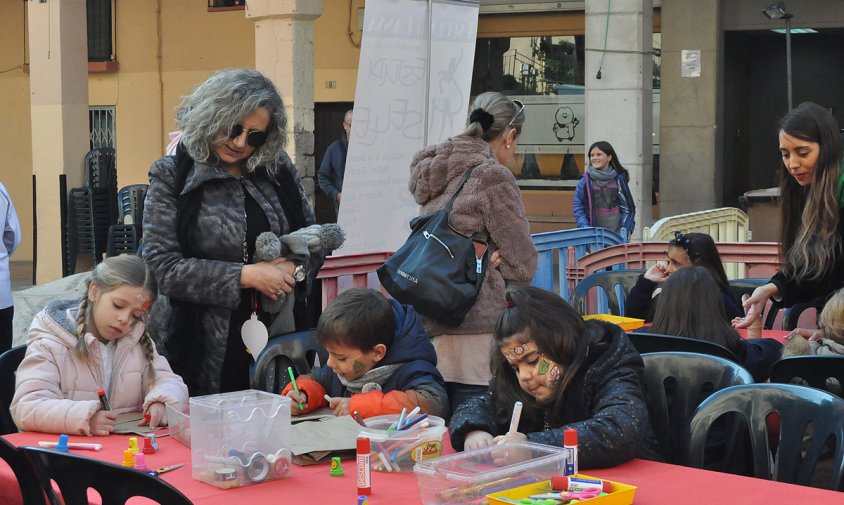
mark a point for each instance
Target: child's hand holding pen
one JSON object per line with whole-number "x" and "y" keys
{"x": 340, "y": 406}
{"x": 101, "y": 423}
{"x": 301, "y": 398}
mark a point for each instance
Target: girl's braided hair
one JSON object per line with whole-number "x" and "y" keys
{"x": 126, "y": 269}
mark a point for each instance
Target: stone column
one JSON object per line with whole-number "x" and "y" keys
{"x": 58, "y": 82}
{"x": 284, "y": 52}
{"x": 619, "y": 104}
{"x": 689, "y": 137}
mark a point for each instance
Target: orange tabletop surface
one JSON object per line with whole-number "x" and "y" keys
{"x": 658, "y": 483}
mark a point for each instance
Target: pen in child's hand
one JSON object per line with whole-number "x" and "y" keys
{"x": 514, "y": 421}
{"x": 328, "y": 399}
{"x": 295, "y": 386}
{"x": 103, "y": 399}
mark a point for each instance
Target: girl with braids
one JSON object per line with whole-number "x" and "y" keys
{"x": 490, "y": 209}
{"x": 569, "y": 374}
{"x": 77, "y": 347}
{"x": 812, "y": 194}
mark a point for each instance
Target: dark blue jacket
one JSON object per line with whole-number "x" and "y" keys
{"x": 758, "y": 355}
{"x": 333, "y": 167}
{"x": 411, "y": 347}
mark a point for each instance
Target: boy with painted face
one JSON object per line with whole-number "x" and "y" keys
{"x": 380, "y": 360}
{"x": 569, "y": 374}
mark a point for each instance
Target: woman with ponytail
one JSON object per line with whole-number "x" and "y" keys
{"x": 489, "y": 209}
{"x": 812, "y": 231}
{"x": 78, "y": 347}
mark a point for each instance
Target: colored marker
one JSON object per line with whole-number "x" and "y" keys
{"x": 514, "y": 421}
{"x": 402, "y": 416}
{"x": 328, "y": 399}
{"x": 73, "y": 445}
{"x": 414, "y": 422}
{"x": 295, "y": 386}
{"x": 410, "y": 416}
{"x": 103, "y": 399}
{"x": 358, "y": 418}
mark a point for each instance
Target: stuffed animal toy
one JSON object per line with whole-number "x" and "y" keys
{"x": 297, "y": 247}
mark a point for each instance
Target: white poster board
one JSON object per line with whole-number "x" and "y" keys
{"x": 389, "y": 111}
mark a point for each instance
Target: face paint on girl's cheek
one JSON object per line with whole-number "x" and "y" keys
{"x": 542, "y": 366}
{"x": 553, "y": 376}
{"x": 358, "y": 367}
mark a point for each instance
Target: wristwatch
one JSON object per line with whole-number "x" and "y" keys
{"x": 299, "y": 273}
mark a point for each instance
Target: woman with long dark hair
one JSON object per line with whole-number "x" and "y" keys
{"x": 811, "y": 201}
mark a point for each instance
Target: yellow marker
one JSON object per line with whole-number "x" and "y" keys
{"x": 133, "y": 445}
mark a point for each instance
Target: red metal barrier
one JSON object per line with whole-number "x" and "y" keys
{"x": 340, "y": 273}
{"x": 761, "y": 259}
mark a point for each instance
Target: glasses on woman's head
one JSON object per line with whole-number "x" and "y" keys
{"x": 521, "y": 107}
{"x": 254, "y": 138}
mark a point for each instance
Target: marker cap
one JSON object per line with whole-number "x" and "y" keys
{"x": 570, "y": 437}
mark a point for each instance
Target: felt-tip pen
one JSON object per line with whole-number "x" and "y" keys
{"x": 73, "y": 445}
{"x": 103, "y": 399}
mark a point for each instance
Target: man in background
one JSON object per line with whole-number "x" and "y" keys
{"x": 333, "y": 166}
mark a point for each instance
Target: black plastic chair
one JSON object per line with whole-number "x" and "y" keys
{"x": 657, "y": 342}
{"x": 122, "y": 239}
{"x": 297, "y": 349}
{"x": 115, "y": 483}
{"x": 131, "y": 200}
{"x": 674, "y": 385}
{"x": 28, "y": 483}
{"x": 797, "y": 450}
{"x": 822, "y": 372}
{"x": 610, "y": 282}
{"x": 9, "y": 362}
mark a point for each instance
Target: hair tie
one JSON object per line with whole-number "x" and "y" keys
{"x": 483, "y": 117}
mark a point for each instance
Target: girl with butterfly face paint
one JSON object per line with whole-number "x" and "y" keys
{"x": 568, "y": 373}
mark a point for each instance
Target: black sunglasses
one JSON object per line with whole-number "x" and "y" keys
{"x": 254, "y": 138}
{"x": 521, "y": 107}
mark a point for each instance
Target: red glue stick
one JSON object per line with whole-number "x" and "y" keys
{"x": 560, "y": 483}
{"x": 570, "y": 445}
{"x": 363, "y": 468}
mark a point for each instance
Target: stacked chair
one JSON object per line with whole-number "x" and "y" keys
{"x": 92, "y": 209}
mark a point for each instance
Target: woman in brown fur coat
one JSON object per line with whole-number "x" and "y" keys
{"x": 489, "y": 208}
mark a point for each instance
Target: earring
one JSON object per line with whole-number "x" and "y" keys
{"x": 508, "y": 146}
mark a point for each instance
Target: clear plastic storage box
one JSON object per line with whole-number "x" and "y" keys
{"x": 398, "y": 451}
{"x": 178, "y": 424}
{"x": 471, "y": 475}
{"x": 240, "y": 438}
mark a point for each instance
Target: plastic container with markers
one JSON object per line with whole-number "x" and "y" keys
{"x": 240, "y": 438}
{"x": 399, "y": 450}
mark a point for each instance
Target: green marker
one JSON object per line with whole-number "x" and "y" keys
{"x": 295, "y": 386}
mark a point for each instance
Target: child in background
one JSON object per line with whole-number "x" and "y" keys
{"x": 568, "y": 373}
{"x": 78, "y": 347}
{"x": 828, "y": 339}
{"x": 380, "y": 360}
{"x": 602, "y": 197}
{"x": 691, "y": 305}
{"x": 691, "y": 249}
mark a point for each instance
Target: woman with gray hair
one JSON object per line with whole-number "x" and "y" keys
{"x": 490, "y": 209}
{"x": 229, "y": 181}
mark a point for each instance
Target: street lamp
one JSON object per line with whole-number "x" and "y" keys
{"x": 777, "y": 11}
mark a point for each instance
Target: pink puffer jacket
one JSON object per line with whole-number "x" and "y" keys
{"x": 56, "y": 391}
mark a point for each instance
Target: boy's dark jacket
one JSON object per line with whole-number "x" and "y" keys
{"x": 411, "y": 348}
{"x": 604, "y": 403}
